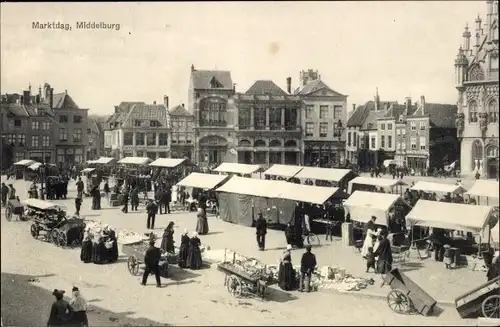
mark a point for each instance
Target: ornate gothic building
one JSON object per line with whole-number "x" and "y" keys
{"x": 476, "y": 79}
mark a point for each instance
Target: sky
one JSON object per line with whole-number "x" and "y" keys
{"x": 405, "y": 48}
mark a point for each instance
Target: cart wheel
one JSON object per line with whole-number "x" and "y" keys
{"x": 53, "y": 237}
{"x": 133, "y": 266}
{"x": 34, "y": 231}
{"x": 234, "y": 286}
{"x": 491, "y": 307}
{"x": 8, "y": 213}
{"x": 399, "y": 302}
{"x": 312, "y": 240}
{"x": 62, "y": 240}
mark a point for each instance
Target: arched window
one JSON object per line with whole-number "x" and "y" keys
{"x": 290, "y": 144}
{"x": 473, "y": 112}
{"x": 259, "y": 143}
{"x": 244, "y": 143}
{"x": 492, "y": 152}
{"x": 476, "y": 74}
{"x": 275, "y": 143}
{"x": 477, "y": 153}
{"x": 493, "y": 111}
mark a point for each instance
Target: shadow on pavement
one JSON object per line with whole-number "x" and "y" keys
{"x": 409, "y": 266}
{"x": 277, "y": 295}
{"x": 25, "y": 304}
{"x": 178, "y": 274}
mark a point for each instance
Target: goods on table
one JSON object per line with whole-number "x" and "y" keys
{"x": 337, "y": 279}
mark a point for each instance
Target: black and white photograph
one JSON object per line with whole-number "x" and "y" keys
{"x": 267, "y": 163}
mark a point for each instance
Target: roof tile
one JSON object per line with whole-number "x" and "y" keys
{"x": 180, "y": 111}
{"x": 313, "y": 86}
{"x": 202, "y": 79}
{"x": 265, "y": 87}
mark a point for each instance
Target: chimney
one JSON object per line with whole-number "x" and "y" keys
{"x": 289, "y": 85}
{"x": 234, "y": 87}
{"x": 192, "y": 68}
{"x": 154, "y": 103}
{"x": 182, "y": 105}
{"x": 40, "y": 91}
{"x": 37, "y": 97}
{"x": 66, "y": 91}
{"x": 165, "y": 101}
{"x": 377, "y": 100}
{"x": 407, "y": 104}
{"x": 46, "y": 91}
{"x": 26, "y": 98}
{"x": 422, "y": 103}
{"x": 353, "y": 107}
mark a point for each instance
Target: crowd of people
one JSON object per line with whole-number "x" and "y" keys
{"x": 99, "y": 246}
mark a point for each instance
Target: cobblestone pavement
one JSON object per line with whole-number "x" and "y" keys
{"x": 194, "y": 297}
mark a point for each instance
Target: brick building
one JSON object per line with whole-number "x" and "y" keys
{"x": 181, "y": 124}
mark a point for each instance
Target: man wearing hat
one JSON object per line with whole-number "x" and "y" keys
{"x": 152, "y": 260}
{"x": 61, "y": 312}
{"x": 307, "y": 266}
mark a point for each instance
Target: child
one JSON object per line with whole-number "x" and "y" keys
{"x": 447, "y": 260}
{"x": 370, "y": 260}
{"x": 78, "y": 204}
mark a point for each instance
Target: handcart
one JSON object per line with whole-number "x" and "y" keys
{"x": 135, "y": 262}
{"x": 406, "y": 296}
{"x": 483, "y": 300}
{"x": 14, "y": 207}
{"x": 245, "y": 276}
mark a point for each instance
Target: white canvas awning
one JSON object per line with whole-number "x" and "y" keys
{"x": 135, "y": 161}
{"x": 307, "y": 193}
{"x": 438, "y": 187}
{"x": 104, "y": 160}
{"x": 35, "y": 166}
{"x": 25, "y": 162}
{"x": 362, "y": 205}
{"x": 455, "y": 216}
{"x": 91, "y": 162}
{"x": 252, "y": 186}
{"x": 283, "y": 170}
{"x": 236, "y": 168}
{"x": 378, "y": 182}
{"x": 495, "y": 236}
{"x": 87, "y": 170}
{"x": 484, "y": 188}
{"x": 389, "y": 162}
{"x": 326, "y": 174}
{"x": 204, "y": 181}
{"x": 40, "y": 204}
{"x": 167, "y": 162}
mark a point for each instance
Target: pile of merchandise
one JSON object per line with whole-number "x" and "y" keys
{"x": 125, "y": 237}
{"x": 337, "y": 279}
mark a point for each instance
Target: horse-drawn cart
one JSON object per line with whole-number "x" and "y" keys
{"x": 483, "y": 300}
{"x": 245, "y": 276}
{"x": 135, "y": 262}
{"x": 406, "y": 296}
{"x": 14, "y": 207}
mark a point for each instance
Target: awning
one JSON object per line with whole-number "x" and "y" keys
{"x": 135, "y": 161}
{"x": 252, "y": 186}
{"x": 35, "y": 166}
{"x": 327, "y": 174}
{"x": 308, "y": 193}
{"x": 455, "y": 216}
{"x": 40, "y": 204}
{"x": 362, "y": 205}
{"x": 87, "y": 170}
{"x": 25, "y": 162}
{"x": 167, "y": 162}
{"x": 204, "y": 181}
{"x": 236, "y": 168}
{"x": 379, "y": 182}
{"x": 484, "y": 188}
{"x": 283, "y": 170}
{"x": 91, "y": 162}
{"x": 438, "y": 187}
{"x": 104, "y": 160}
{"x": 388, "y": 162}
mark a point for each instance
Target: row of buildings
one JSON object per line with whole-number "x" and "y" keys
{"x": 47, "y": 127}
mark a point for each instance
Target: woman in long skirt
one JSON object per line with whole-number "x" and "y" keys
{"x": 110, "y": 236}
{"x": 369, "y": 242}
{"x": 167, "y": 241}
{"x": 184, "y": 250}
{"x": 86, "y": 252}
{"x": 99, "y": 252}
{"x": 202, "y": 224}
{"x": 79, "y": 306}
{"x": 286, "y": 273}
{"x": 194, "y": 253}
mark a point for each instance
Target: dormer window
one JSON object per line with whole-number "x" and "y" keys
{"x": 214, "y": 83}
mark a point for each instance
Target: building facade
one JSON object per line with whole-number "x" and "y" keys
{"x": 95, "y": 135}
{"x": 137, "y": 129}
{"x": 181, "y": 125}
{"x": 210, "y": 100}
{"x": 269, "y": 127}
{"x": 323, "y": 120}
{"x": 27, "y": 122}
{"x": 476, "y": 79}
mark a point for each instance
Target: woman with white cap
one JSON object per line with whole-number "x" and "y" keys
{"x": 184, "y": 250}
{"x": 86, "y": 252}
{"x": 286, "y": 273}
{"x": 194, "y": 253}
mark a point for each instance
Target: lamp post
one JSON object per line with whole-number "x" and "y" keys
{"x": 41, "y": 169}
{"x": 338, "y": 129}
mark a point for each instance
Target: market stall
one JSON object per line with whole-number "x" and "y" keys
{"x": 287, "y": 171}
{"x": 310, "y": 194}
{"x": 104, "y": 161}
{"x": 240, "y": 199}
{"x": 136, "y": 161}
{"x": 167, "y": 162}
{"x": 21, "y": 171}
{"x": 237, "y": 168}
{"x": 438, "y": 188}
{"x": 484, "y": 188}
{"x": 371, "y": 184}
{"x": 338, "y": 176}
{"x": 363, "y": 205}
{"x": 203, "y": 181}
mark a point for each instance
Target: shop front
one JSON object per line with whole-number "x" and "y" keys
{"x": 212, "y": 150}
{"x": 323, "y": 154}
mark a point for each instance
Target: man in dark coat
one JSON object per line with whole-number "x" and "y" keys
{"x": 78, "y": 204}
{"x": 152, "y": 209}
{"x": 165, "y": 198}
{"x": 61, "y": 312}
{"x": 152, "y": 261}
{"x": 125, "y": 201}
{"x": 307, "y": 266}
{"x": 202, "y": 201}
{"x": 5, "y": 192}
{"x": 384, "y": 254}
{"x": 79, "y": 186}
{"x": 261, "y": 230}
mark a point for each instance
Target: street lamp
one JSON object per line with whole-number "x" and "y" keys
{"x": 338, "y": 129}
{"x": 41, "y": 170}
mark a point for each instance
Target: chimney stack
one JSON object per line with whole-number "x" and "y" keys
{"x": 234, "y": 87}
{"x": 165, "y": 101}
{"x": 192, "y": 68}
{"x": 422, "y": 103}
{"x": 154, "y": 102}
{"x": 51, "y": 97}
{"x": 353, "y": 107}
{"x": 289, "y": 85}
{"x": 407, "y": 103}
{"x": 182, "y": 105}
{"x": 26, "y": 98}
